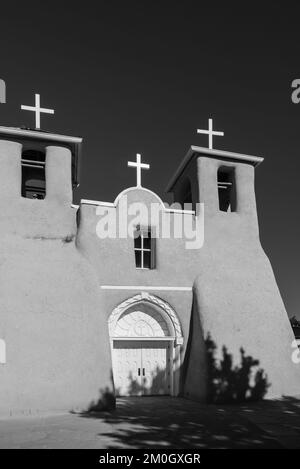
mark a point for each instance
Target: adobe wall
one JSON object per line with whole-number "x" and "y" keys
{"x": 114, "y": 260}
{"x": 58, "y": 354}
{"x": 237, "y": 301}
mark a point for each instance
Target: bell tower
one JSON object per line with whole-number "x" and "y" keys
{"x": 223, "y": 182}
{"x": 49, "y": 293}
{"x": 237, "y": 304}
{"x": 34, "y": 144}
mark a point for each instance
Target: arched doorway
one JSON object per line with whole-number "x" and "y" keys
{"x": 145, "y": 338}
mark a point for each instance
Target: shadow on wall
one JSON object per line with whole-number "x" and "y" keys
{"x": 153, "y": 385}
{"x": 233, "y": 384}
{"x": 209, "y": 376}
{"x": 226, "y": 383}
{"x": 105, "y": 401}
{"x": 156, "y": 384}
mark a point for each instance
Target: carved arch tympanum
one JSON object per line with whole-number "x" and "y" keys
{"x": 162, "y": 322}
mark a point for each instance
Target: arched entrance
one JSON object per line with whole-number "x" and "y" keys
{"x": 145, "y": 338}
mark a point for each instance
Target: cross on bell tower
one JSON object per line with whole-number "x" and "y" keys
{"x": 38, "y": 110}
{"x": 139, "y": 166}
{"x": 211, "y": 133}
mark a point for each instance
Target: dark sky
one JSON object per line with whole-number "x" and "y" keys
{"x": 142, "y": 76}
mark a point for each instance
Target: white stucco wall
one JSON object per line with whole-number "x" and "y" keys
{"x": 237, "y": 300}
{"x": 58, "y": 355}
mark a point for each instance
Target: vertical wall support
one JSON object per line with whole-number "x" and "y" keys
{"x": 59, "y": 175}
{"x": 10, "y": 174}
{"x": 207, "y": 182}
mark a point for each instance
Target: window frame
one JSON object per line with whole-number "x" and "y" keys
{"x": 141, "y": 234}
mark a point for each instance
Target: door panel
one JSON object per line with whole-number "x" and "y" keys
{"x": 127, "y": 364}
{"x": 141, "y": 367}
{"x": 154, "y": 368}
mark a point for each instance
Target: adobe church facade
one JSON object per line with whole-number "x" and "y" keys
{"x": 85, "y": 317}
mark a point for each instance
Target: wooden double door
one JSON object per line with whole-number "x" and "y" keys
{"x": 142, "y": 367}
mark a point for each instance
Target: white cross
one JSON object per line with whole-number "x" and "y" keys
{"x": 139, "y": 166}
{"x": 38, "y": 110}
{"x": 210, "y": 132}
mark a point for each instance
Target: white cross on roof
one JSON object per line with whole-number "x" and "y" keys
{"x": 210, "y": 132}
{"x": 139, "y": 166}
{"x": 38, "y": 110}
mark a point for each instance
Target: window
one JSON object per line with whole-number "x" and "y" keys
{"x": 33, "y": 174}
{"x": 144, "y": 249}
{"x": 227, "y": 189}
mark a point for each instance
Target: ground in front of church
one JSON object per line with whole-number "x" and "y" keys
{"x": 162, "y": 422}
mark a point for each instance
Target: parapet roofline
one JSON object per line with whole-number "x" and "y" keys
{"x": 226, "y": 155}
{"x": 42, "y": 135}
